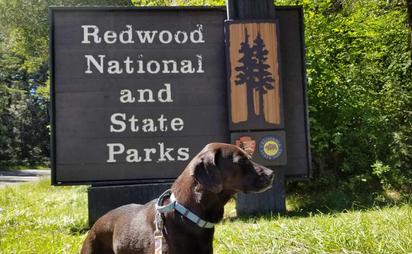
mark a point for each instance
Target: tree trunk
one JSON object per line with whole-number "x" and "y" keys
{"x": 250, "y": 103}
{"x": 261, "y": 106}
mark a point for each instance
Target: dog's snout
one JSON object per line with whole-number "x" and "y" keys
{"x": 271, "y": 175}
{"x": 262, "y": 170}
{"x": 262, "y": 180}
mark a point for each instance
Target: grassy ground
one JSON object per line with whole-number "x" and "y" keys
{"x": 38, "y": 218}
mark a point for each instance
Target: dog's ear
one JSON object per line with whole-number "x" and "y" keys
{"x": 207, "y": 171}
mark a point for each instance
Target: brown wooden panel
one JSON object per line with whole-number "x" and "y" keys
{"x": 254, "y": 75}
{"x": 292, "y": 47}
{"x": 128, "y": 98}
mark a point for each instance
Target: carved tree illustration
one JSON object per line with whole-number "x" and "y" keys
{"x": 263, "y": 77}
{"x": 253, "y": 72}
{"x": 245, "y": 75}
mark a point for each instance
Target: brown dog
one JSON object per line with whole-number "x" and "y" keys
{"x": 213, "y": 176}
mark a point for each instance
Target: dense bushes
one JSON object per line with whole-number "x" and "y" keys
{"x": 359, "y": 78}
{"x": 359, "y": 73}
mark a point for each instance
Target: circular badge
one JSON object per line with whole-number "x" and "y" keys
{"x": 270, "y": 147}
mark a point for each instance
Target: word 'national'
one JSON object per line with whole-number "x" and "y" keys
{"x": 100, "y": 64}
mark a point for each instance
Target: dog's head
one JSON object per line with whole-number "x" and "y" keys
{"x": 221, "y": 167}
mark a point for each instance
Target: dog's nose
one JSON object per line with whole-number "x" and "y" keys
{"x": 269, "y": 173}
{"x": 264, "y": 171}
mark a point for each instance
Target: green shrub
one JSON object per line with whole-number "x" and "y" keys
{"x": 359, "y": 85}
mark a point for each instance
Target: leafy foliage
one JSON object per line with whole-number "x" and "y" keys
{"x": 359, "y": 78}
{"x": 25, "y": 26}
{"x": 24, "y": 97}
{"x": 178, "y": 2}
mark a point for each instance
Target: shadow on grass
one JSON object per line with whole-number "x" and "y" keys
{"x": 334, "y": 196}
{"x": 79, "y": 228}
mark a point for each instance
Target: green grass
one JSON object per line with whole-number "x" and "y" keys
{"x": 38, "y": 218}
{"x": 386, "y": 230}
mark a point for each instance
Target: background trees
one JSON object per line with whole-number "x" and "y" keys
{"x": 359, "y": 71}
{"x": 359, "y": 78}
{"x": 24, "y": 96}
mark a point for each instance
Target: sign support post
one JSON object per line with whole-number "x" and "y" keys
{"x": 272, "y": 200}
{"x": 102, "y": 199}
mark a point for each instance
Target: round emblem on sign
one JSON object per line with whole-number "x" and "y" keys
{"x": 270, "y": 147}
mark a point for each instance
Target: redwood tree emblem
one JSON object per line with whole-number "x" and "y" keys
{"x": 253, "y": 72}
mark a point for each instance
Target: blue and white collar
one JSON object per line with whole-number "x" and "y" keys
{"x": 174, "y": 205}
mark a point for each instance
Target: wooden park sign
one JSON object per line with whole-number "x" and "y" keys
{"x": 137, "y": 92}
